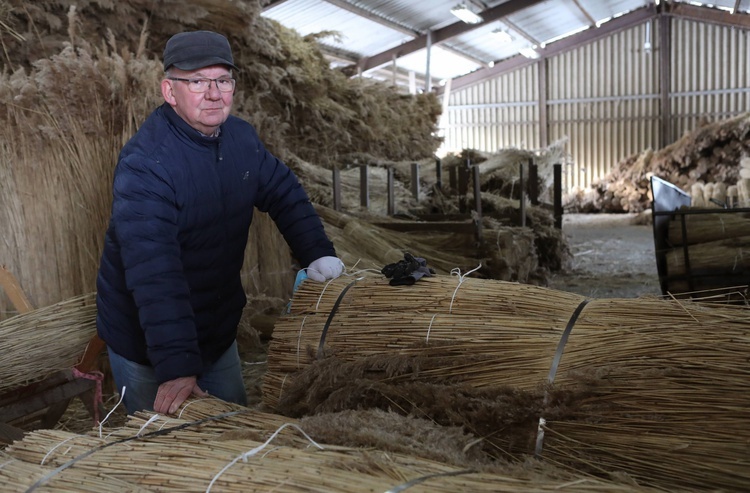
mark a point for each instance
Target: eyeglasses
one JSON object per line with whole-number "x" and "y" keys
{"x": 203, "y": 85}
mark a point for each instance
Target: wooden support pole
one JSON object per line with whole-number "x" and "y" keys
{"x": 522, "y": 198}
{"x": 438, "y": 173}
{"x": 364, "y": 186}
{"x": 478, "y": 204}
{"x": 13, "y": 289}
{"x": 557, "y": 194}
{"x": 533, "y": 182}
{"x": 336, "y": 189}
{"x": 453, "y": 178}
{"x": 415, "y": 180}
{"x": 463, "y": 185}
{"x": 391, "y": 192}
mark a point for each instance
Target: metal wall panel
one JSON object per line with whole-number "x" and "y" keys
{"x": 499, "y": 113}
{"x": 604, "y": 97}
{"x": 710, "y": 74}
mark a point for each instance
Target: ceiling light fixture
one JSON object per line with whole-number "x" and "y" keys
{"x": 462, "y": 12}
{"x": 502, "y": 36}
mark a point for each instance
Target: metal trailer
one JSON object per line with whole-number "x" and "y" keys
{"x": 729, "y": 282}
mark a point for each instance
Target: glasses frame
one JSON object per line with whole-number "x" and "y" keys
{"x": 208, "y": 87}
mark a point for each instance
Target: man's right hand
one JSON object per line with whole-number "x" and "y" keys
{"x": 173, "y": 393}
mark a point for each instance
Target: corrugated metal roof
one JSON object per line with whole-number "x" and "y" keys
{"x": 371, "y": 27}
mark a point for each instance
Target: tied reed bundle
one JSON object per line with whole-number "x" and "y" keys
{"x": 668, "y": 387}
{"x": 704, "y": 228}
{"x": 40, "y": 342}
{"x": 214, "y": 446}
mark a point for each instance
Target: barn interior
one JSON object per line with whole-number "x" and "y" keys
{"x": 584, "y": 325}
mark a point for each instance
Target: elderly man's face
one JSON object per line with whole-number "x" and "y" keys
{"x": 204, "y": 111}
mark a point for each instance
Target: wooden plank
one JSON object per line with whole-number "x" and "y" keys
{"x": 13, "y": 289}
{"x": 44, "y": 399}
{"x": 9, "y": 434}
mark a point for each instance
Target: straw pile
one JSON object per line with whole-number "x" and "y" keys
{"x": 708, "y": 154}
{"x": 507, "y": 254}
{"x": 653, "y": 387}
{"x": 40, "y": 342}
{"x": 213, "y": 446}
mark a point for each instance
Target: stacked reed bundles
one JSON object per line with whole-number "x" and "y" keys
{"x": 730, "y": 255}
{"x": 202, "y": 449}
{"x": 40, "y": 342}
{"x": 669, "y": 381}
{"x": 508, "y": 254}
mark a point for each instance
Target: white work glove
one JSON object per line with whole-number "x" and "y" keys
{"x": 325, "y": 268}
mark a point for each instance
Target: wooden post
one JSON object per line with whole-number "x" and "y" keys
{"x": 522, "y": 198}
{"x": 13, "y": 289}
{"x": 463, "y": 186}
{"x": 533, "y": 182}
{"x": 557, "y": 193}
{"x": 453, "y": 178}
{"x": 364, "y": 187}
{"x": 391, "y": 193}
{"x": 438, "y": 173}
{"x": 415, "y": 180}
{"x": 336, "y": 189}
{"x": 478, "y": 204}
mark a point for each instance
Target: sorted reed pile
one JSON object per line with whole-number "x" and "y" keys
{"x": 214, "y": 446}
{"x": 656, "y": 388}
{"x": 40, "y": 342}
{"x": 709, "y": 154}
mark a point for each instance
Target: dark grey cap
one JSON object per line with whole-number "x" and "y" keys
{"x": 197, "y": 49}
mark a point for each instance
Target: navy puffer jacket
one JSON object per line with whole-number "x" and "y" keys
{"x": 169, "y": 292}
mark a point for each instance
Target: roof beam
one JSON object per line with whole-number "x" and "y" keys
{"x": 420, "y": 42}
{"x": 708, "y": 14}
{"x": 566, "y": 44}
{"x": 383, "y": 21}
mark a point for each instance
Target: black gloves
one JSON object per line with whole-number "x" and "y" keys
{"x": 408, "y": 271}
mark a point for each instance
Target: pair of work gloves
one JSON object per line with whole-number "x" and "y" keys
{"x": 325, "y": 268}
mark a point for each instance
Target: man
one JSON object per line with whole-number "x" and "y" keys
{"x": 169, "y": 290}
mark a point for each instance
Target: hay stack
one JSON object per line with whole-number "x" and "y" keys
{"x": 214, "y": 446}
{"x": 658, "y": 389}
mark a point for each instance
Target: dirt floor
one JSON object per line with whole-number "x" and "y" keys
{"x": 613, "y": 256}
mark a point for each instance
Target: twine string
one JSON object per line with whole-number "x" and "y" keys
{"x": 331, "y": 315}
{"x": 427, "y": 339}
{"x": 243, "y": 457}
{"x": 422, "y": 479}
{"x": 461, "y": 278}
{"x": 122, "y": 396}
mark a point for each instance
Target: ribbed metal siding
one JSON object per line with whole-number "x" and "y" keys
{"x": 710, "y": 74}
{"x": 603, "y": 97}
{"x": 499, "y": 113}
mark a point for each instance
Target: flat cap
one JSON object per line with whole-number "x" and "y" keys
{"x": 197, "y": 49}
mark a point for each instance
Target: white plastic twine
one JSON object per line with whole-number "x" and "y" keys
{"x": 427, "y": 339}
{"x": 299, "y": 337}
{"x": 461, "y": 278}
{"x": 257, "y": 449}
{"x": 101, "y": 423}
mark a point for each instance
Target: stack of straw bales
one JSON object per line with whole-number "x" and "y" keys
{"x": 659, "y": 388}
{"x": 213, "y": 446}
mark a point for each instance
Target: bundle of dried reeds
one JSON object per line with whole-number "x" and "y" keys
{"x": 703, "y": 228}
{"x": 213, "y": 446}
{"x": 665, "y": 383}
{"x": 730, "y": 255}
{"x": 40, "y": 342}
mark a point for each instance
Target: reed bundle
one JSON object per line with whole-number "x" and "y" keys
{"x": 704, "y": 228}
{"x": 660, "y": 387}
{"x": 208, "y": 448}
{"x": 508, "y": 253}
{"x": 40, "y": 342}
{"x": 728, "y": 255}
